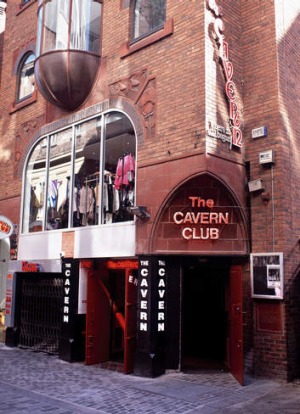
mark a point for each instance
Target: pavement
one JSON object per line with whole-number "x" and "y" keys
{"x": 35, "y": 383}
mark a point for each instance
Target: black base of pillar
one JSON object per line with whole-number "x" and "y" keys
{"x": 72, "y": 342}
{"x": 70, "y": 350}
{"x": 11, "y": 337}
{"x": 148, "y": 365}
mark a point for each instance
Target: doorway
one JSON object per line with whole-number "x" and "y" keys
{"x": 111, "y": 315}
{"x": 205, "y": 328}
{"x": 117, "y": 298}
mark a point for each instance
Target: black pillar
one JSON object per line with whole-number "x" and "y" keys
{"x": 150, "y": 354}
{"x": 13, "y": 309}
{"x": 71, "y": 343}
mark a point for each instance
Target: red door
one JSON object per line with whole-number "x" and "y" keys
{"x": 97, "y": 320}
{"x": 101, "y": 308}
{"x": 130, "y": 319}
{"x": 236, "y": 324}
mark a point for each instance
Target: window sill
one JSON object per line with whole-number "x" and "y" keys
{"x": 23, "y": 6}
{"x": 127, "y": 48}
{"x": 22, "y": 104}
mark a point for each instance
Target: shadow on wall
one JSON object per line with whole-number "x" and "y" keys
{"x": 293, "y": 316}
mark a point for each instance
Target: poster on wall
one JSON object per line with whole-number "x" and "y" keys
{"x": 267, "y": 275}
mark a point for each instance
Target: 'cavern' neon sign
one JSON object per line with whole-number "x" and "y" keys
{"x": 230, "y": 88}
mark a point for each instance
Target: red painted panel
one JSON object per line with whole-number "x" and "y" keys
{"x": 269, "y": 317}
{"x": 130, "y": 319}
{"x": 97, "y": 320}
{"x": 236, "y": 324}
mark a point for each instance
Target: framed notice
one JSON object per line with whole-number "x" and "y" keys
{"x": 267, "y": 275}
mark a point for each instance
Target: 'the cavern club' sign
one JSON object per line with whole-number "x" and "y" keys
{"x": 201, "y": 225}
{"x": 230, "y": 88}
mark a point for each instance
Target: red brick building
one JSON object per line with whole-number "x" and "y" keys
{"x": 149, "y": 155}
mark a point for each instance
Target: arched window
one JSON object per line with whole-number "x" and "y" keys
{"x": 26, "y": 77}
{"x": 149, "y": 16}
{"x": 95, "y": 184}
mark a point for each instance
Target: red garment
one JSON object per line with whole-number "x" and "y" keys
{"x": 125, "y": 171}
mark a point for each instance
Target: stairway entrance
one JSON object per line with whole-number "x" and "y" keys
{"x": 112, "y": 315}
{"x": 205, "y": 318}
{"x": 211, "y": 331}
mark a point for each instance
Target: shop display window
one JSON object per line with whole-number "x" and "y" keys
{"x": 34, "y": 189}
{"x": 82, "y": 175}
{"x": 59, "y": 178}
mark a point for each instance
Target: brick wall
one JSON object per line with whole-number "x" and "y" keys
{"x": 271, "y": 98}
{"x": 288, "y": 64}
{"x": 16, "y": 128}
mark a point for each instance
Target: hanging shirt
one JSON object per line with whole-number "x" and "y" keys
{"x": 63, "y": 193}
{"x": 86, "y": 200}
{"x": 52, "y": 193}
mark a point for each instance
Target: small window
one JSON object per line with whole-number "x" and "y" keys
{"x": 26, "y": 77}
{"x": 23, "y": 5}
{"x": 149, "y": 16}
{"x": 24, "y": 2}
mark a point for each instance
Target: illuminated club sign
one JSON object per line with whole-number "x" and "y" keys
{"x": 201, "y": 225}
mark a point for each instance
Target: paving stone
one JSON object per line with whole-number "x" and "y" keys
{"x": 32, "y": 382}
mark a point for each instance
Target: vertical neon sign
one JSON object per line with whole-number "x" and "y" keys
{"x": 230, "y": 88}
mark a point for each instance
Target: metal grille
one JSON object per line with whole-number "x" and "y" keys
{"x": 41, "y": 313}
